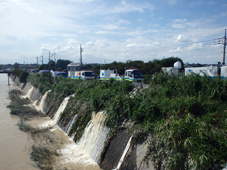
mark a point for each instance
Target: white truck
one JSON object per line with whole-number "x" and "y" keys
{"x": 108, "y": 74}
{"x": 58, "y": 73}
{"x": 132, "y": 74}
{"x": 83, "y": 75}
{"x": 211, "y": 71}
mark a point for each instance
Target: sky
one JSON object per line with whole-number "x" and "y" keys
{"x": 112, "y": 30}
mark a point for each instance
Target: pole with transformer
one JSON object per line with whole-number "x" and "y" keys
{"x": 224, "y": 43}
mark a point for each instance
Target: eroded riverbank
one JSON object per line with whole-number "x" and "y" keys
{"x": 52, "y": 148}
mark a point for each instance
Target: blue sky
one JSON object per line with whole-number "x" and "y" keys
{"x": 112, "y": 30}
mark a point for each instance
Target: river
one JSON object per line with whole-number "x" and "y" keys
{"x": 14, "y": 144}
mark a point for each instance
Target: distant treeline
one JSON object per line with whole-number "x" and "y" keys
{"x": 148, "y": 68}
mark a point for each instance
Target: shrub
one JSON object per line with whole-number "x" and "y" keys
{"x": 23, "y": 76}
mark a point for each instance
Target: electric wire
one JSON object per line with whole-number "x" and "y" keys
{"x": 216, "y": 41}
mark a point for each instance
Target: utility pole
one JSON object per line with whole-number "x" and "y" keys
{"x": 49, "y": 60}
{"x": 37, "y": 61}
{"x": 42, "y": 59}
{"x": 55, "y": 62}
{"x": 81, "y": 50}
{"x": 224, "y": 48}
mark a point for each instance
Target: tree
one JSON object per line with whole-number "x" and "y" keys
{"x": 23, "y": 76}
{"x": 43, "y": 67}
{"x": 16, "y": 65}
{"x": 62, "y": 64}
{"x": 168, "y": 62}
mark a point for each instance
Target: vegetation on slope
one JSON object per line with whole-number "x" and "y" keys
{"x": 91, "y": 96}
{"x": 19, "y": 106}
{"x": 185, "y": 117}
{"x": 21, "y": 74}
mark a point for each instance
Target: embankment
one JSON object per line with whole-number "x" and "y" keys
{"x": 176, "y": 123}
{"x": 109, "y": 147}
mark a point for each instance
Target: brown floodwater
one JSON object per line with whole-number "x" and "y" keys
{"x": 14, "y": 144}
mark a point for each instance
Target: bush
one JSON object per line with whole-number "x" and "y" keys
{"x": 23, "y": 76}
{"x": 187, "y": 118}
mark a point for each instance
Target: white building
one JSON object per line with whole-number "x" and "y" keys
{"x": 73, "y": 67}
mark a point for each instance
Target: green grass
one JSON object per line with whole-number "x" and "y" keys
{"x": 184, "y": 116}
{"x": 187, "y": 118}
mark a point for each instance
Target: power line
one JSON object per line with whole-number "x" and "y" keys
{"x": 216, "y": 41}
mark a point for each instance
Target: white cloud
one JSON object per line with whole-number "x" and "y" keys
{"x": 81, "y": 1}
{"x": 195, "y": 46}
{"x": 184, "y": 24}
{"x": 133, "y": 45}
{"x": 178, "y": 26}
{"x": 175, "y": 50}
{"x": 111, "y": 27}
{"x": 173, "y": 2}
{"x": 182, "y": 38}
{"x": 20, "y": 4}
{"x": 131, "y": 7}
{"x": 123, "y": 2}
{"x": 122, "y": 21}
{"x": 89, "y": 44}
{"x": 106, "y": 30}
{"x": 196, "y": 3}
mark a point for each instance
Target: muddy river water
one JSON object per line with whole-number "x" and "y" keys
{"x": 14, "y": 144}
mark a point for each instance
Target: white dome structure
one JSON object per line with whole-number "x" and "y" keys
{"x": 177, "y": 65}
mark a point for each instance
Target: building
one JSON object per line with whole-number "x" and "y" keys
{"x": 73, "y": 67}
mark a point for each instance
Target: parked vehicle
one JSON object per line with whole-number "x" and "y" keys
{"x": 132, "y": 74}
{"x": 34, "y": 71}
{"x": 109, "y": 74}
{"x": 211, "y": 71}
{"x": 84, "y": 75}
{"x": 59, "y": 73}
{"x": 43, "y": 71}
